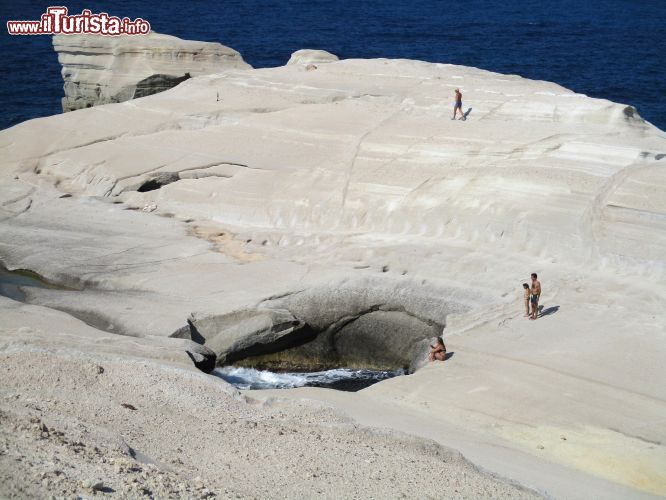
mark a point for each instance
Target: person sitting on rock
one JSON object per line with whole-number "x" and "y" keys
{"x": 437, "y": 351}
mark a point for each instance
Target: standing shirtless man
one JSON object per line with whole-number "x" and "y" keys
{"x": 458, "y": 106}
{"x": 535, "y": 293}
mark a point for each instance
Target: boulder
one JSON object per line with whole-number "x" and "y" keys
{"x": 307, "y": 57}
{"x": 246, "y": 333}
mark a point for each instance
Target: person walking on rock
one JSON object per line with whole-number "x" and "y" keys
{"x": 458, "y": 106}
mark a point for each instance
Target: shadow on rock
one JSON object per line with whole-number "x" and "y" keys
{"x": 549, "y": 311}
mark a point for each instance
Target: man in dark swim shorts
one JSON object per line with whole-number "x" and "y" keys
{"x": 458, "y": 106}
{"x": 535, "y": 293}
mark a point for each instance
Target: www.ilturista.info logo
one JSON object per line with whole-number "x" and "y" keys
{"x": 56, "y": 21}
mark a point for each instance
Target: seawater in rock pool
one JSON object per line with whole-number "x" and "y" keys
{"x": 342, "y": 379}
{"x": 11, "y": 283}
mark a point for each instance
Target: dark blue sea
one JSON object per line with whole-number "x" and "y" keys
{"x": 615, "y": 49}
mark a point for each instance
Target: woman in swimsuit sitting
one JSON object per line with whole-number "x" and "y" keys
{"x": 437, "y": 351}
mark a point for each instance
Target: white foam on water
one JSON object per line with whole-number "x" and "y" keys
{"x": 250, "y": 378}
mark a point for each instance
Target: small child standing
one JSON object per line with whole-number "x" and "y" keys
{"x": 526, "y": 289}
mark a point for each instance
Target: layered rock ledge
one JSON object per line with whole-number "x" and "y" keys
{"x": 104, "y": 69}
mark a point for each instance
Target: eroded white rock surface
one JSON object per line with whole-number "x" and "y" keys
{"x": 354, "y": 177}
{"x": 311, "y": 56}
{"x": 104, "y": 69}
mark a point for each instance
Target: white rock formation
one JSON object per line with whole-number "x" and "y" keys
{"x": 311, "y": 56}
{"x": 314, "y": 192}
{"x": 105, "y": 69}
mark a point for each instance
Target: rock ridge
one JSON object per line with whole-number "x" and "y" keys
{"x": 101, "y": 69}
